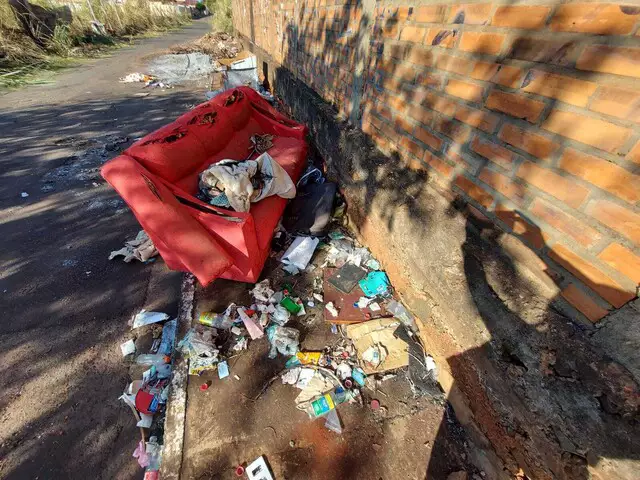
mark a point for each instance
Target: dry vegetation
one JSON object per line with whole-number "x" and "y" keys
{"x": 73, "y": 34}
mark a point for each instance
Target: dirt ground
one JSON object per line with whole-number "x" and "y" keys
{"x": 414, "y": 438}
{"x": 65, "y": 306}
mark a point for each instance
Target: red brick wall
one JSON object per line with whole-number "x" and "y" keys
{"x": 529, "y": 110}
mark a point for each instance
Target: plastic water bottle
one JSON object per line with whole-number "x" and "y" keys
{"x": 152, "y": 359}
{"x": 323, "y": 404}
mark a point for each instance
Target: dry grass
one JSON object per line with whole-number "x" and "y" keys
{"x": 20, "y": 55}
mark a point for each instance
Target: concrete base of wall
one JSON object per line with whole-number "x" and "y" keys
{"x": 535, "y": 393}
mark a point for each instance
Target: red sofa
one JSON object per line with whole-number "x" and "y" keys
{"x": 158, "y": 178}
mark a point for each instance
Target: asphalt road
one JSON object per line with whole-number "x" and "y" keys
{"x": 64, "y": 306}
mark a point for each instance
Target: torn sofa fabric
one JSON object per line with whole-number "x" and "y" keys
{"x": 159, "y": 176}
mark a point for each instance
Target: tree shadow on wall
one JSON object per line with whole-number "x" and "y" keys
{"x": 556, "y": 404}
{"x": 544, "y": 364}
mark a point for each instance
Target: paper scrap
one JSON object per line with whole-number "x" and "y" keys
{"x": 128, "y": 348}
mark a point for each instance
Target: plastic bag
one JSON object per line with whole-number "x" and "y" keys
{"x": 284, "y": 340}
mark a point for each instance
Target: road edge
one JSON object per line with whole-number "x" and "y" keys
{"x": 174, "y": 426}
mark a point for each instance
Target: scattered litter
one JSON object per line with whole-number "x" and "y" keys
{"x": 136, "y": 77}
{"x": 205, "y": 386}
{"x": 24, "y": 194}
{"x": 236, "y": 377}
{"x": 374, "y": 307}
{"x": 333, "y": 422}
{"x": 401, "y": 313}
{"x": 300, "y": 252}
{"x": 332, "y": 309}
{"x": 222, "y": 321}
{"x": 146, "y": 318}
{"x": 284, "y": 340}
{"x": 168, "y": 337}
{"x": 141, "y": 248}
{"x": 223, "y": 370}
{"x": 254, "y": 329}
{"x": 378, "y": 348}
{"x": 347, "y": 277}
{"x": 141, "y": 454}
{"x": 375, "y": 283}
{"x": 258, "y": 470}
{"x": 128, "y": 348}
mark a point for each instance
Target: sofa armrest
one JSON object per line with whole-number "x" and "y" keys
{"x": 181, "y": 240}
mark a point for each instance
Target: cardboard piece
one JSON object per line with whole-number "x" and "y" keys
{"x": 380, "y": 332}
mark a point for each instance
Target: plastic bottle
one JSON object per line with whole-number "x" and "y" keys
{"x": 323, "y": 404}
{"x": 152, "y": 359}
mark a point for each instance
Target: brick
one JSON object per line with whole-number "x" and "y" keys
{"x": 465, "y": 90}
{"x": 565, "y": 223}
{"x": 591, "y": 276}
{"x": 412, "y": 147}
{"x": 452, "y": 64}
{"x": 493, "y": 72}
{"x": 441, "y": 37}
{"x": 478, "y": 42}
{"x": 428, "y": 138}
{"x": 594, "y": 132}
{"x": 606, "y": 59}
{"x": 470, "y": 13}
{"x": 439, "y": 165}
{"x": 504, "y": 185}
{"x": 412, "y": 34}
{"x": 491, "y": 151}
{"x": 634, "y": 154}
{"x": 623, "y": 260}
{"x": 484, "y": 70}
{"x": 442, "y": 105}
{"x": 476, "y": 192}
{"x": 617, "y": 102}
{"x": 528, "y": 17}
{"x": 532, "y": 143}
{"x": 544, "y": 51}
{"x": 606, "y": 175}
{"x": 402, "y": 124}
{"x": 515, "y": 105}
{"x": 565, "y": 89}
{"x": 431, "y": 14}
{"x": 421, "y": 114}
{"x": 457, "y": 132}
{"x": 421, "y": 56}
{"x": 520, "y": 226}
{"x": 608, "y": 18}
{"x": 476, "y": 118}
{"x": 583, "y": 303}
{"x": 555, "y": 185}
{"x": 617, "y": 218}
{"x": 431, "y": 79}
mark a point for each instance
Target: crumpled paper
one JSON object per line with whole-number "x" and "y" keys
{"x": 141, "y": 248}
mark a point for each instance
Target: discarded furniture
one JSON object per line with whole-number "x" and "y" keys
{"x": 158, "y": 178}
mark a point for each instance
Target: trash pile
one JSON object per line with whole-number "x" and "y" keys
{"x": 148, "y": 80}
{"x": 328, "y": 277}
{"x": 218, "y": 45}
{"x": 147, "y": 396}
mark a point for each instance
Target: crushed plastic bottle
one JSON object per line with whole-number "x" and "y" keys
{"x": 152, "y": 359}
{"x": 323, "y": 404}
